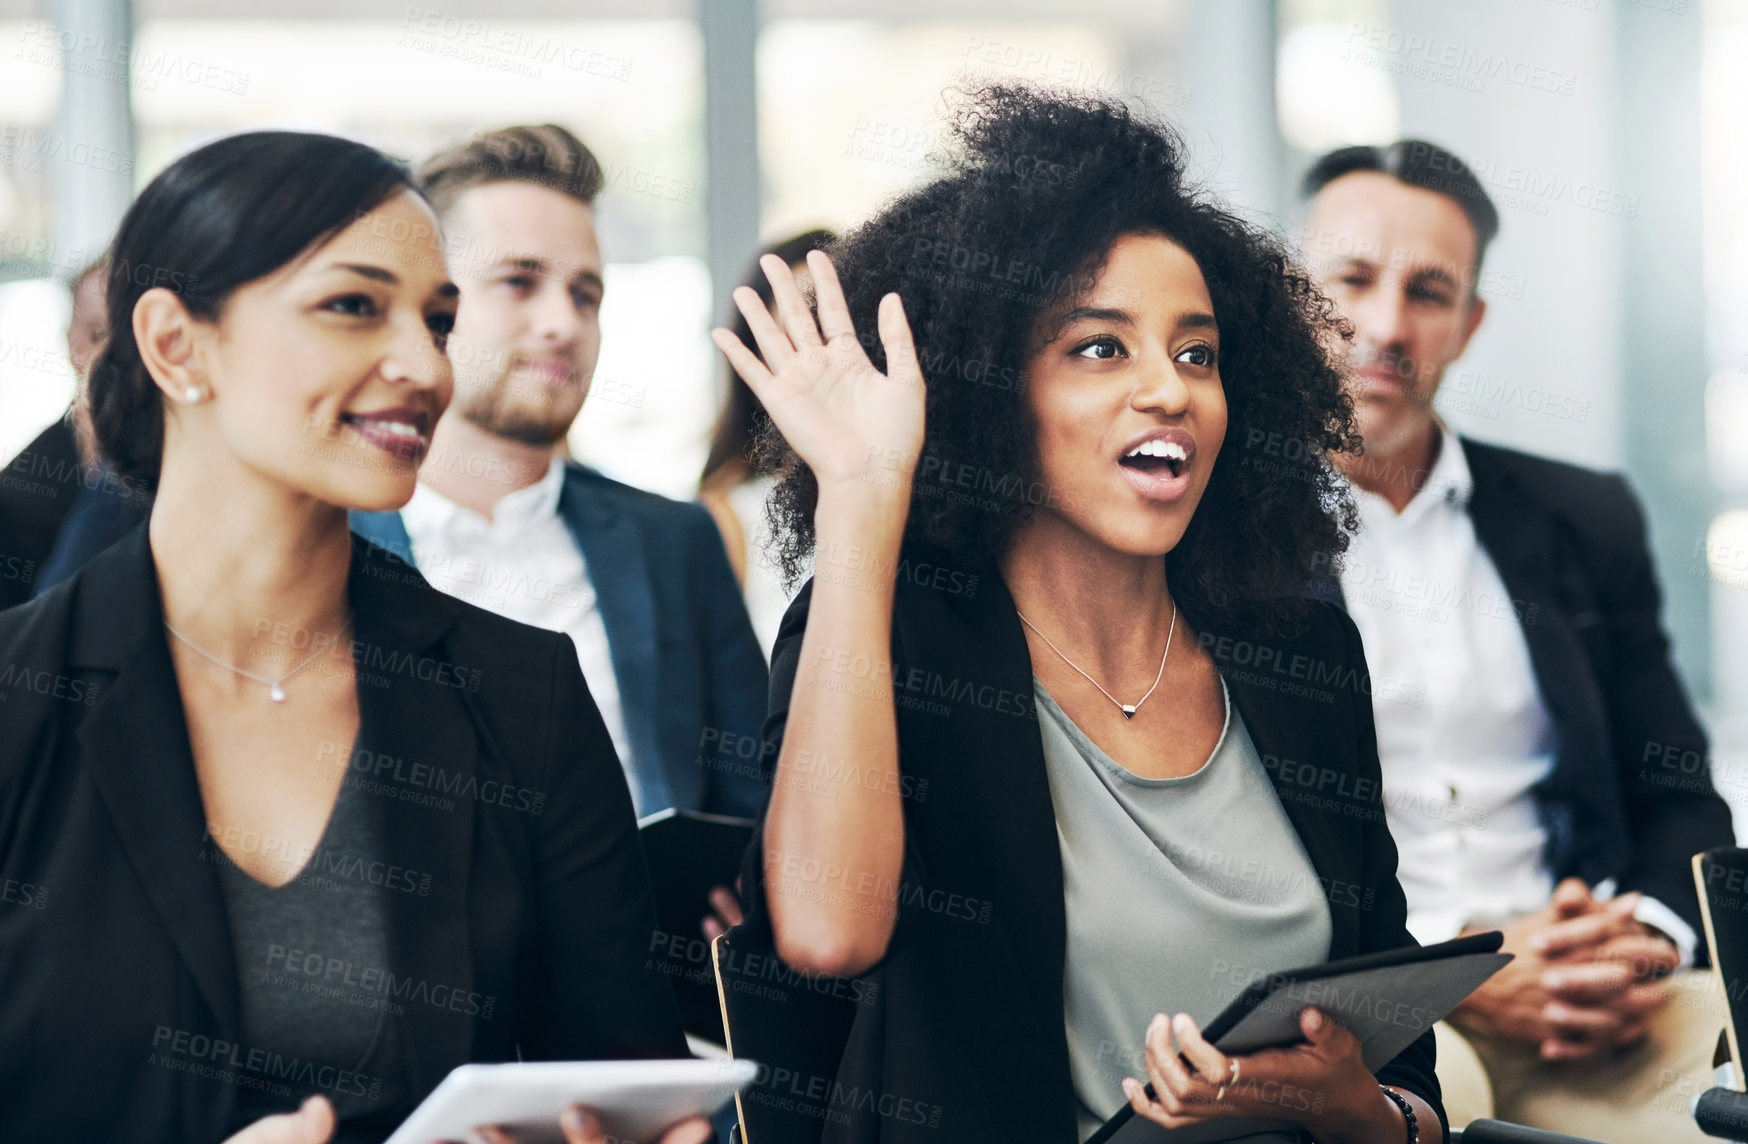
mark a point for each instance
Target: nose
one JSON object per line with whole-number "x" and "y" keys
{"x": 1380, "y": 316}
{"x": 556, "y": 317}
{"x": 1160, "y": 388}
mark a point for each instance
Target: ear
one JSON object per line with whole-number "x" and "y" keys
{"x": 1471, "y": 323}
{"x": 170, "y": 341}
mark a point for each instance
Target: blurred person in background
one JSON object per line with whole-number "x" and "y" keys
{"x": 233, "y": 911}
{"x": 1522, "y": 685}
{"x": 108, "y": 505}
{"x": 500, "y": 518}
{"x": 62, "y": 503}
{"x": 734, "y": 488}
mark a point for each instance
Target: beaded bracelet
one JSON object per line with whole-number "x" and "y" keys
{"x": 1407, "y": 1113}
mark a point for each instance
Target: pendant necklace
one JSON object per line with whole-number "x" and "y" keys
{"x": 275, "y": 690}
{"x": 1128, "y": 709}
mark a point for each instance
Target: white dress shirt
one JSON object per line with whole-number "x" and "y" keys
{"x": 1463, "y": 735}
{"x": 523, "y": 564}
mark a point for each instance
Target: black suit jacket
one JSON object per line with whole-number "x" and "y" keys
{"x": 958, "y": 1033}
{"x": 1630, "y": 794}
{"x": 692, "y": 681}
{"x": 37, "y": 491}
{"x": 503, "y": 798}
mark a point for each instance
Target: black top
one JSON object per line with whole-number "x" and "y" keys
{"x": 959, "y": 1032}
{"x": 518, "y": 921}
{"x": 1630, "y": 794}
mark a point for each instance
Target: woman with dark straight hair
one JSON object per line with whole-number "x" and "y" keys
{"x": 300, "y": 833}
{"x": 1033, "y": 790}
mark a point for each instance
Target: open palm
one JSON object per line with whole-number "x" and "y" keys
{"x": 846, "y": 419}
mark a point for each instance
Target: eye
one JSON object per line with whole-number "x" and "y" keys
{"x": 352, "y": 305}
{"x": 521, "y": 283}
{"x": 585, "y": 297}
{"x": 1201, "y": 354}
{"x": 1102, "y": 348}
{"x": 440, "y": 324}
{"x": 1425, "y": 293}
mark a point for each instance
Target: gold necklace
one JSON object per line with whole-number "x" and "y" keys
{"x": 1128, "y": 709}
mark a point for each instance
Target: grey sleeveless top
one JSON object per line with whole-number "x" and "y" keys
{"x": 312, "y": 960}
{"x": 1178, "y": 891}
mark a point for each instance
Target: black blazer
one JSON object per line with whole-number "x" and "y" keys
{"x": 504, "y": 800}
{"x": 37, "y": 491}
{"x": 958, "y": 1033}
{"x": 1630, "y": 793}
{"x": 692, "y": 680}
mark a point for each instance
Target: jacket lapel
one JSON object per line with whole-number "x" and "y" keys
{"x": 1281, "y": 732}
{"x": 1518, "y": 539}
{"x": 414, "y": 711}
{"x": 612, "y": 544}
{"x": 987, "y": 655}
{"x": 134, "y": 743}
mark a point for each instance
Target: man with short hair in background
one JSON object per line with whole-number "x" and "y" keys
{"x": 501, "y": 519}
{"x": 65, "y": 504}
{"x": 1522, "y": 686}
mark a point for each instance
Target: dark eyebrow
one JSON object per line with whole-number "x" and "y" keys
{"x": 374, "y": 273}
{"x": 1438, "y": 275}
{"x": 1198, "y": 321}
{"x": 1095, "y": 314}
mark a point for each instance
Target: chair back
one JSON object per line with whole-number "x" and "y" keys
{"x": 794, "y": 1029}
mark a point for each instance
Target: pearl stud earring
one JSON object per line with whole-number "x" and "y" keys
{"x": 193, "y": 394}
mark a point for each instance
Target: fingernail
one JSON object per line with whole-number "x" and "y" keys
{"x": 1313, "y": 1019}
{"x": 1553, "y": 980}
{"x": 1180, "y": 1024}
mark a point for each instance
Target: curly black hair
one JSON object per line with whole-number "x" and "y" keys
{"x": 1034, "y": 189}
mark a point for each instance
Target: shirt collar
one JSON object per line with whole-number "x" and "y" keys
{"x": 430, "y": 511}
{"x": 1450, "y": 483}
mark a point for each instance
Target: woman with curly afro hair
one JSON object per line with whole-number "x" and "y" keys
{"x": 1064, "y": 755}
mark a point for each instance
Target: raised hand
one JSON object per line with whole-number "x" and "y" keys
{"x": 852, "y": 424}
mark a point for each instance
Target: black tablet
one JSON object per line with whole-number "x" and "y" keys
{"x": 1386, "y": 999}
